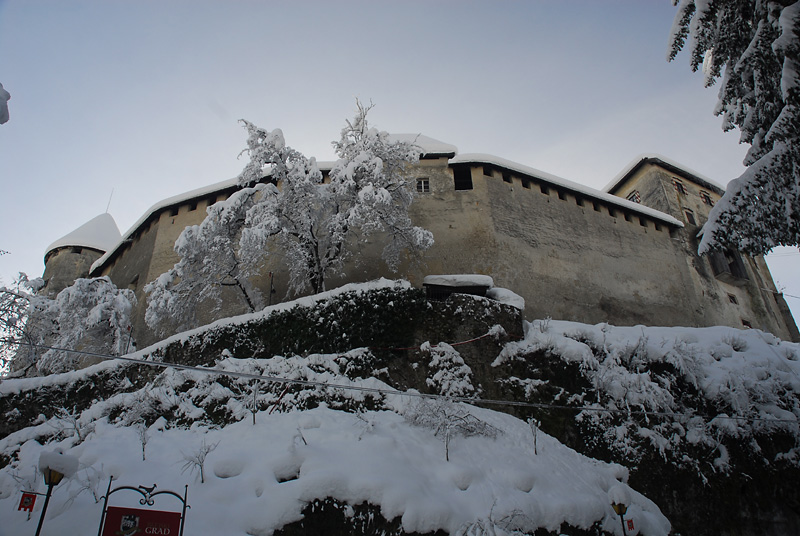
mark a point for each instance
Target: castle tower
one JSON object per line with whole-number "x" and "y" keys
{"x": 71, "y": 256}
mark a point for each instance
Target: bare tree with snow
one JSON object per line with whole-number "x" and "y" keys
{"x": 286, "y": 206}
{"x": 754, "y": 46}
{"x": 92, "y": 315}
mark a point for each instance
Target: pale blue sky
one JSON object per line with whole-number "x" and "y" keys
{"x": 143, "y": 97}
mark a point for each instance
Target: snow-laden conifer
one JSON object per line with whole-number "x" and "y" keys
{"x": 754, "y": 47}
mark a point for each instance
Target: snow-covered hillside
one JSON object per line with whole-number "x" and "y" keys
{"x": 255, "y": 454}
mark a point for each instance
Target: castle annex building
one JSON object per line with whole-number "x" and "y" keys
{"x": 626, "y": 255}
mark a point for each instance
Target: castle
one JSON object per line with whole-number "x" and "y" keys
{"x": 626, "y": 255}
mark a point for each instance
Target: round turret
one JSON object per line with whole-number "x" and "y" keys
{"x": 71, "y": 256}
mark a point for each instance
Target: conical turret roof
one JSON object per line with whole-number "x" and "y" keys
{"x": 100, "y": 233}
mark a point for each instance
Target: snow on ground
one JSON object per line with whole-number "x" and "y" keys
{"x": 258, "y": 477}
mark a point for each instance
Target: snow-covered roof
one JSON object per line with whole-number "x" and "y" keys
{"x": 667, "y": 163}
{"x": 479, "y": 158}
{"x": 428, "y": 145}
{"x": 459, "y": 280}
{"x": 100, "y": 233}
{"x": 168, "y": 202}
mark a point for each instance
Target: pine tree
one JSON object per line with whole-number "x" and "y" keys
{"x": 753, "y": 46}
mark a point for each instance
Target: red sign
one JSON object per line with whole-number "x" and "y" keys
{"x": 630, "y": 524}
{"x": 136, "y": 521}
{"x": 26, "y": 503}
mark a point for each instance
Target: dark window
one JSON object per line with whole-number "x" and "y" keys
{"x": 423, "y": 186}
{"x": 193, "y": 206}
{"x": 526, "y": 184}
{"x": 657, "y": 226}
{"x": 579, "y": 200}
{"x": 596, "y": 206}
{"x": 545, "y": 190}
{"x": 706, "y": 199}
{"x": 679, "y": 187}
{"x": 634, "y": 196}
{"x": 487, "y": 170}
{"x": 627, "y": 216}
{"x": 173, "y": 211}
{"x": 746, "y": 324}
{"x": 462, "y": 176}
{"x": 642, "y": 222}
{"x": 732, "y": 299}
{"x": 612, "y": 212}
{"x": 690, "y": 217}
{"x": 561, "y": 195}
{"x": 507, "y": 178}
{"x": 728, "y": 267}
{"x": 75, "y": 250}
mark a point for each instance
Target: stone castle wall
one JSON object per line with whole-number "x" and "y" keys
{"x": 571, "y": 255}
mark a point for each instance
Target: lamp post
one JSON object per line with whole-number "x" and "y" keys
{"x": 620, "y": 509}
{"x": 54, "y": 466}
{"x": 620, "y": 499}
{"x": 52, "y": 478}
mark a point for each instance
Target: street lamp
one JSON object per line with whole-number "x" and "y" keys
{"x": 54, "y": 467}
{"x": 620, "y": 499}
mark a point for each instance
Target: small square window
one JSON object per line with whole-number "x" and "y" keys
{"x": 746, "y": 324}
{"x": 423, "y": 186}
{"x": 487, "y": 170}
{"x": 526, "y": 184}
{"x": 173, "y": 211}
{"x": 193, "y": 206}
{"x": 507, "y": 178}
{"x": 690, "y": 217}
{"x": 544, "y": 189}
{"x": 561, "y": 195}
{"x": 679, "y": 187}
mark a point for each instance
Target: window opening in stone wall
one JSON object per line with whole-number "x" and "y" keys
{"x": 732, "y": 299}
{"x": 643, "y": 222}
{"x": 507, "y": 178}
{"x": 627, "y": 216}
{"x": 561, "y": 195}
{"x": 579, "y": 200}
{"x": 545, "y": 190}
{"x": 679, "y": 187}
{"x": 487, "y": 170}
{"x": 192, "y": 206}
{"x": 462, "y": 177}
{"x": 75, "y": 250}
{"x": 596, "y": 206}
{"x": 728, "y": 267}
{"x": 423, "y": 186}
{"x": 526, "y": 184}
{"x": 612, "y": 212}
{"x": 173, "y": 211}
{"x": 657, "y": 226}
{"x": 634, "y": 196}
{"x": 690, "y": 217}
{"x": 706, "y": 199}
{"x": 747, "y": 324}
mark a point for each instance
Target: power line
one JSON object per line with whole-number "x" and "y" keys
{"x": 394, "y": 392}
